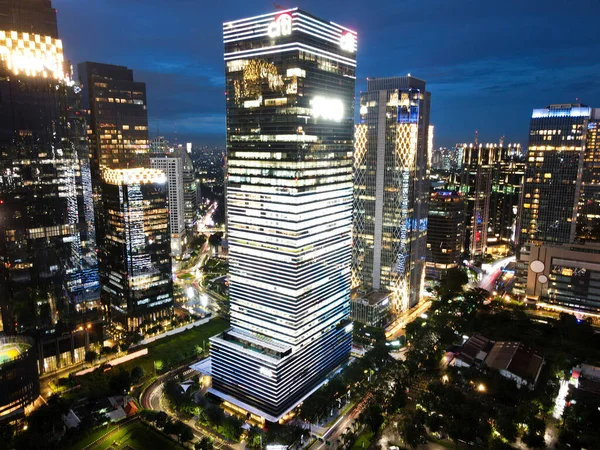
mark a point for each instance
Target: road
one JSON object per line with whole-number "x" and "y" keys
{"x": 488, "y": 282}
{"x": 152, "y": 398}
{"x": 396, "y": 329}
{"x": 340, "y": 427}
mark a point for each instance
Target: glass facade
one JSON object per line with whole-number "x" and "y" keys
{"x": 445, "y": 232}
{"x": 44, "y": 234}
{"x": 507, "y": 180}
{"x": 172, "y": 165}
{"x": 476, "y": 187}
{"x": 391, "y": 189}
{"x": 560, "y": 204}
{"x": 290, "y": 104}
{"x": 135, "y": 260}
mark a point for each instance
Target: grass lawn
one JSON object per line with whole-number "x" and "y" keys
{"x": 87, "y": 440}
{"x": 186, "y": 276}
{"x": 135, "y": 435}
{"x": 171, "y": 351}
{"x": 363, "y": 441}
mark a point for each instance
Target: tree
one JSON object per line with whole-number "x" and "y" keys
{"x": 162, "y": 419}
{"x": 372, "y": 416}
{"x": 205, "y": 443}
{"x": 412, "y": 428}
{"x": 254, "y": 438}
{"x": 136, "y": 374}
{"x": 451, "y": 284}
{"x": 120, "y": 382}
{"x": 232, "y": 427}
{"x": 184, "y": 432}
{"x": 215, "y": 239}
{"x": 91, "y": 356}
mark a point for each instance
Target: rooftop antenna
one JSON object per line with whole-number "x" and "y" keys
{"x": 502, "y": 142}
{"x": 476, "y": 137}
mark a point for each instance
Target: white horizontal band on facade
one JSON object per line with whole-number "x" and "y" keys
{"x": 242, "y": 54}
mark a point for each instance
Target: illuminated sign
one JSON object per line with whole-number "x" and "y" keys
{"x": 282, "y": 26}
{"x": 327, "y": 108}
{"x": 347, "y": 41}
{"x": 32, "y": 55}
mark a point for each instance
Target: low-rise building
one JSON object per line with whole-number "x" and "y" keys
{"x": 473, "y": 352}
{"x": 373, "y": 309}
{"x": 515, "y": 361}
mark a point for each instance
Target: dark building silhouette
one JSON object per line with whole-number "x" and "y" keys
{"x": 43, "y": 167}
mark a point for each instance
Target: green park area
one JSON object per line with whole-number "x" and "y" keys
{"x": 164, "y": 354}
{"x": 135, "y": 435}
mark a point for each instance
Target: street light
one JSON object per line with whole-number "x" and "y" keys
{"x": 481, "y": 387}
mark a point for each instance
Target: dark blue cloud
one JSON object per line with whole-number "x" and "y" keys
{"x": 487, "y": 63}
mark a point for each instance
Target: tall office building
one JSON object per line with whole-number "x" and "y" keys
{"x": 490, "y": 181}
{"x": 559, "y": 208}
{"x": 190, "y": 195}
{"x": 445, "y": 232}
{"x": 118, "y": 119}
{"x": 172, "y": 165}
{"x": 391, "y": 189}
{"x": 290, "y": 94}
{"x": 117, "y": 124}
{"x": 135, "y": 261}
{"x": 476, "y": 187}
{"x": 42, "y": 171}
{"x": 508, "y": 173}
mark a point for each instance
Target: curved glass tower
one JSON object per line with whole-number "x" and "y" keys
{"x": 290, "y": 106}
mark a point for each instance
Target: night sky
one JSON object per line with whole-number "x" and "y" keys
{"x": 486, "y": 63}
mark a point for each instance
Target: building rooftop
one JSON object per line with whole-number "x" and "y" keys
{"x": 475, "y": 349}
{"x": 372, "y": 298}
{"x": 515, "y": 358}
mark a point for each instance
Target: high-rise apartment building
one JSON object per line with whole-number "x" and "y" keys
{"x": 559, "y": 208}
{"x": 135, "y": 262}
{"x": 172, "y": 165}
{"x": 290, "y": 80}
{"x": 43, "y": 172}
{"x": 391, "y": 189}
{"x": 445, "y": 232}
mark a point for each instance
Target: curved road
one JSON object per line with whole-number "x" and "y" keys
{"x": 152, "y": 396}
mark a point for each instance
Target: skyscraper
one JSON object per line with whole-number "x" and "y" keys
{"x": 135, "y": 261}
{"x": 559, "y": 208}
{"x": 190, "y": 194}
{"x": 42, "y": 171}
{"x": 290, "y": 95}
{"x": 391, "y": 189}
{"x": 118, "y": 119}
{"x": 476, "y": 187}
{"x": 508, "y": 173}
{"x": 117, "y": 124}
{"x": 172, "y": 165}
{"x": 445, "y": 231}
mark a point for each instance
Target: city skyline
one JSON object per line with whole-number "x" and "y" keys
{"x": 490, "y": 83}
